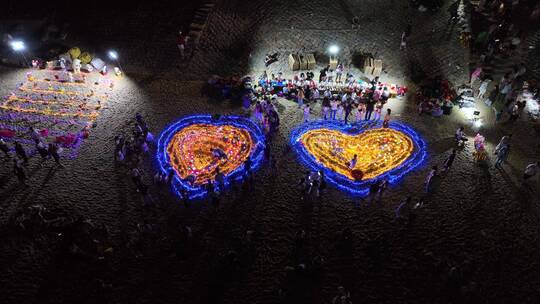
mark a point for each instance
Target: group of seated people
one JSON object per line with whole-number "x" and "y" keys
{"x": 434, "y": 107}
{"x": 435, "y": 97}
{"x": 279, "y": 86}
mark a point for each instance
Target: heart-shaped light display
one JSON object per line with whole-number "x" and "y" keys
{"x": 199, "y": 150}
{"x": 196, "y": 147}
{"x": 330, "y": 146}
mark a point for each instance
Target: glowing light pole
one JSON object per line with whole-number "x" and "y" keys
{"x": 19, "y": 47}
{"x": 333, "y": 50}
{"x": 114, "y": 56}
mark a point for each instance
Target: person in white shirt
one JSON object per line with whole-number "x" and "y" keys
{"x": 483, "y": 88}
{"x": 339, "y": 112}
{"x": 327, "y": 93}
{"x": 385, "y": 94}
{"x": 350, "y": 79}
{"x": 344, "y": 98}
{"x": 339, "y": 73}
{"x": 333, "y": 106}
{"x": 330, "y": 76}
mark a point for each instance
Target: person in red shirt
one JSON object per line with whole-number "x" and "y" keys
{"x": 181, "y": 43}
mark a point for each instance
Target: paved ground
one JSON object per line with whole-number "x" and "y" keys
{"x": 480, "y": 220}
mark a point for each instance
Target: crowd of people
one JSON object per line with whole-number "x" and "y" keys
{"x": 505, "y": 96}
{"x": 21, "y": 156}
{"x": 130, "y": 152}
{"x": 404, "y": 211}
{"x": 501, "y": 34}
{"x": 502, "y": 37}
{"x": 343, "y": 98}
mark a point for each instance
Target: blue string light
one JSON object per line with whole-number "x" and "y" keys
{"x": 198, "y": 191}
{"x": 358, "y": 188}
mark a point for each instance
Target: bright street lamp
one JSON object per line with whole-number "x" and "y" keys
{"x": 333, "y": 49}
{"x": 17, "y": 45}
{"x": 113, "y": 55}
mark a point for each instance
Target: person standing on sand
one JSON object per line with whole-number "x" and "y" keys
{"x": 449, "y": 160}
{"x": 4, "y": 147}
{"x": 386, "y": 122}
{"x": 325, "y": 108}
{"x": 431, "y": 178}
{"x": 181, "y": 41}
{"x": 502, "y": 156}
{"x": 43, "y": 151}
{"x": 339, "y": 73}
{"x": 359, "y": 111}
{"x": 475, "y": 75}
{"x": 19, "y": 171}
{"x": 403, "y": 44}
{"x": 306, "y": 113}
{"x": 339, "y": 111}
{"x": 373, "y": 190}
{"x": 334, "y": 106}
{"x": 322, "y": 183}
{"x": 300, "y": 97}
{"x": 21, "y": 152}
{"x": 220, "y": 179}
{"x": 403, "y": 210}
{"x": 348, "y": 110}
{"x": 383, "y": 184}
{"x": 53, "y": 151}
{"x": 505, "y": 140}
{"x": 369, "y": 109}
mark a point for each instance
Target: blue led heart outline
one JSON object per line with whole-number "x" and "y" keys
{"x": 257, "y": 154}
{"x": 358, "y": 188}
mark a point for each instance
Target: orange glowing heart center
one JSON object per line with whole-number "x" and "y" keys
{"x": 197, "y": 151}
{"x": 377, "y": 151}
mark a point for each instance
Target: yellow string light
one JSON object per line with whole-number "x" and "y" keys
{"x": 377, "y": 150}
{"x": 13, "y": 99}
{"x": 191, "y": 150}
{"x": 49, "y": 112}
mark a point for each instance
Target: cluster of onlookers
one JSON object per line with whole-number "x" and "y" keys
{"x": 129, "y": 152}
{"x": 22, "y": 155}
{"x": 343, "y": 98}
{"x": 264, "y": 113}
